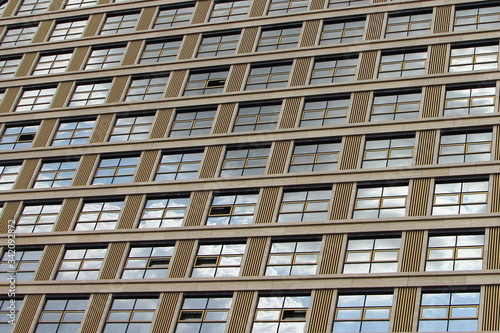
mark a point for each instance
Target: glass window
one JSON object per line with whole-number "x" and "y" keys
{"x": 89, "y": 94}
{"x": 293, "y": 258}
{"x": 267, "y": 77}
{"x": 257, "y": 117}
{"x": 105, "y": 58}
{"x": 28, "y": 7}
{"x": 245, "y": 162}
{"x": 396, "y": 152}
{"x": 279, "y": 38}
{"x": 18, "y": 137}
{"x": 412, "y": 24}
{"x": 287, "y": 6}
{"x": 363, "y": 313}
{"x": 473, "y": 58}
{"x": 203, "y": 314}
{"x": 75, "y": 4}
{"x": 460, "y": 198}
{"x": 128, "y": 315}
{"x": 81, "y": 264}
{"x": 346, "y": 3}
{"x": 115, "y": 170}
{"x": 380, "y": 202}
{"x": 178, "y": 166}
{"x": 281, "y": 314}
{"x": 149, "y": 262}
{"x": 402, "y": 64}
{"x": 68, "y": 30}
{"x": 8, "y": 67}
{"x": 372, "y": 255}
{"x": 465, "y": 147}
{"x": 464, "y": 101}
{"x": 191, "y": 123}
{"x": 304, "y": 206}
{"x": 449, "y": 312}
{"x": 101, "y": 215}
{"x": 56, "y": 174}
{"x": 35, "y": 99}
{"x": 218, "y": 260}
{"x": 132, "y": 128}
{"x": 61, "y": 315}
{"x": 202, "y": 83}
{"x": 218, "y": 45}
{"x": 160, "y": 51}
{"x": 334, "y": 70}
{"x": 52, "y": 63}
{"x": 20, "y": 35}
{"x": 146, "y": 88}
{"x": 8, "y": 176}
{"x": 455, "y": 253}
{"x": 230, "y": 10}
{"x": 345, "y": 31}
{"x": 163, "y": 213}
{"x": 173, "y": 17}
{"x": 396, "y": 106}
{"x": 22, "y": 263}
{"x": 232, "y": 209}
{"x": 315, "y": 157}
{"x": 73, "y": 133}
{"x": 118, "y": 24}
{"x": 484, "y": 17}
{"x": 37, "y": 218}
{"x": 5, "y": 311}
{"x": 325, "y": 112}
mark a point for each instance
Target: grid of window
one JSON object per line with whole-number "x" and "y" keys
{"x": 37, "y": 218}
{"x": 257, "y": 117}
{"x": 277, "y": 39}
{"x": 232, "y": 209}
{"x": 15, "y": 36}
{"x": 68, "y": 30}
{"x": 466, "y": 101}
{"x": 218, "y": 260}
{"x": 346, "y": 3}
{"x": 477, "y": 18}
{"x": 75, "y": 4}
{"x": 18, "y": 137}
{"x": 293, "y": 258}
{"x": 8, "y": 67}
{"x": 147, "y": 262}
{"x": 230, "y": 10}
{"x": 380, "y": 202}
{"x": 163, "y": 213}
{"x": 402, "y": 64}
{"x": 363, "y": 313}
{"x": 90, "y": 94}
{"x": 128, "y": 315}
{"x": 473, "y": 58}
{"x": 102, "y": 215}
{"x": 23, "y": 262}
{"x": 397, "y": 152}
{"x": 115, "y": 170}
{"x": 132, "y": 128}
{"x": 118, "y": 24}
{"x": 455, "y": 253}
{"x": 206, "y": 83}
{"x": 315, "y": 157}
{"x": 81, "y": 264}
{"x": 73, "y": 133}
{"x": 146, "y": 88}
{"x": 304, "y": 206}
{"x": 245, "y": 162}
{"x": 5, "y": 312}
{"x": 287, "y": 6}
{"x": 281, "y": 314}
{"x": 449, "y": 312}
{"x": 28, "y": 7}
{"x": 267, "y": 77}
{"x": 52, "y": 63}
{"x": 8, "y": 176}
{"x": 334, "y": 70}
{"x": 105, "y": 58}
{"x": 218, "y": 45}
{"x": 465, "y": 147}
{"x": 192, "y": 123}
{"x": 61, "y": 315}
{"x": 35, "y": 99}
{"x": 56, "y": 174}
{"x": 178, "y": 166}
{"x": 460, "y": 198}
{"x": 372, "y": 255}
{"x": 408, "y": 25}
{"x": 207, "y": 314}
{"x": 160, "y": 51}
{"x": 342, "y": 32}
{"x": 173, "y": 17}
{"x": 324, "y": 112}
{"x": 395, "y": 107}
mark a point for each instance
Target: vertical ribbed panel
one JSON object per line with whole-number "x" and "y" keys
{"x": 101, "y": 128}
{"x": 412, "y": 251}
{"x": 102, "y": 2}
{"x": 48, "y": 262}
{"x": 495, "y": 193}
{"x": 224, "y": 117}
{"x": 247, "y": 40}
{"x": 61, "y": 94}
{"x": 93, "y": 25}
{"x": 131, "y": 207}
{"x": 188, "y": 46}
{"x": 84, "y": 170}
{"x": 42, "y": 31}
{"x": 78, "y": 58}
{"x": 27, "y": 316}
{"x": 111, "y": 265}
{"x": 367, "y": 65}
{"x": 26, "y": 64}
{"x": 300, "y": 72}
{"x": 374, "y": 25}
{"x": 331, "y": 253}
{"x": 491, "y": 315}
{"x": 175, "y": 83}
{"x": 493, "y": 249}
{"x": 165, "y": 312}
{"x": 257, "y": 8}
{"x": 360, "y": 102}
{"x": 268, "y": 198}
{"x": 419, "y": 197}
{"x": 8, "y": 213}
{"x": 442, "y": 19}
{"x": 242, "y": 307}
{"x": 27, "y": 172}
{"x": 341, "y": 199}
{"x": 67, "y": 213}
{"x": 432, "y": 101}
{"x": 405, "y": 308}
{"x": 55, "y": 5}
{"x": 9, "y": 98}
{"x": 255, "y": 253}
{"x": 196, "y": 210}
{"x": 132, "y": 52}
{"x": 161, "y": 123}
{"x": 201, "y": 11}
{"x": 426, "y": 144}
{"x": 376, "y": 1}
{"x": 145, "y": 168}
{"x": 96, "y": 310}
{"x": 236, "y": 77}
{"x": 320, "y": 310}
{"x": 290, "y": 111}
{"x": 496, "y": 142}
{"x": 211, "y": 161}
{"x": 44, "y": 133}
{"x": 182, "y": 257}
{"x": 350, "y": 155}
{"x": 9, "y": 9}
{"x": 317, "y": 4}
{"x": 117, "y": 88}
{"x": 310, "y": 32}
{"x": 146, "y": 17}
{"x": 279, "y": 156}
{"x": 437, "y": 58}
